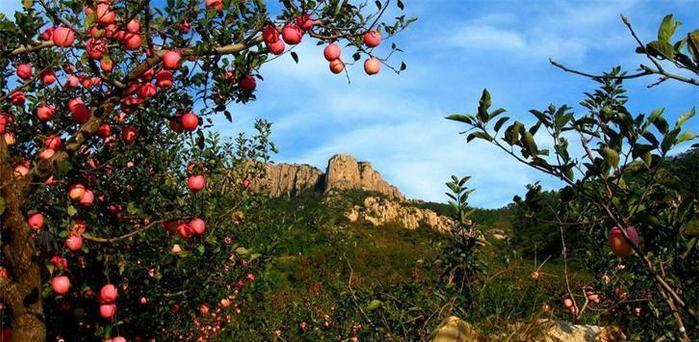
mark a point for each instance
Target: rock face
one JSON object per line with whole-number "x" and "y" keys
{"x": 289, "y": 179}
{"x": 343, "y": 173}
{"x": 453, "y": 329}
{"x": 346, "y": 173}
{"x": 380, "y": 211}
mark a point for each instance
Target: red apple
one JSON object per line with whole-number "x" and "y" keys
{"x": 76, "y": 192}
{"x": 147, "y": 90}
{"x": 270, "y": 34}
{"x": 46, "y": 154}
{"x": 59, "y": 262}
{"x": 73, "y": 81}
{"x": 47, "y": 34}
{"x": 87, "y": 199}
{"x": 17, "y": 98}
{"x": 305, "y": 22}
{"x": 108, "y": 293}
{"x": 164, "y": 79}
{"x": 20, "y": 171}
{"x": 48, "y": 76}
{"x": 106, "y": 64}
{"x": 372, "y": 66}
{"x": 248, "y": 83}
{"x": 60, "y": 284}
{"x": 63, "y": 36}
{"x": 372, "y": 38}
{"x": 36, "y": 221}
{"x": 276, "y": 48}
{"x": 567, "y": 302}
{"x": 184, "y": 230}
{"x": 332, "y": 52}
{"x": 196, "y": 182}
{"x": 10, "y": 138}
{"x": 104, "y": 130}
{"x": 143, "y": 300}
{"x": 45, "y": 112}
{"x": 216, "y": 5}
{"x": 292, "y": 34}
{"x": 105, "y": 15}
{"x": 119, "y": 339}
{"x": 337, "y": 66}
{"x": 620, "y": 247}
{"x": 24, "y": 71}
{"x": 132, "y": 41}
{"x": 108, "y": 310}
{"x": 171, "y": 59}
{"x": 189, "y": 121}
{"x": 96, "y": 48}
{"x": 74, "y": 242}
{"x": 133, "y": 26}
{"x": 53, "y": 142}
{"x": 80, "y": 112}
{"x": 184, "y": 26}
{"x": 197, "y": 225}
{"x": 129, "y": 134}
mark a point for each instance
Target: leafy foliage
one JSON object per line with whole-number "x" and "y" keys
{"x": 619, "y": 179}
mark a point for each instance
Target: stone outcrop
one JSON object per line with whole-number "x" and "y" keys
{"x": 289, "y": 179}
{"x": 379, "y": 211}
{"x": 453, "y": 329}
{"x": 344, "y": 172}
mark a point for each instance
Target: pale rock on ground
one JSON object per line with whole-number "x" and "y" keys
{"x": 378, "y": 211}
{"x": 453, "y": 329}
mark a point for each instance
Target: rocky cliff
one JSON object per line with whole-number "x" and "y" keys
{"x": 379, "y": 211}
{"x": 344, "y": 172}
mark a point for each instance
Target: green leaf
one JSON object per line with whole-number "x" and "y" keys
{"x": 2, "y": 205}
{"x": 512, "y": 132}
{"x": 480, "y": 135}
{"x": 71, "y": 211}
{"x": 374, "y": 304}
{"x": 687, "y": 135}
{"x": 693, "y": 44}
{"x": 667, "y": 28}
{"x": 529, "y": 143}
{"x": 684, "y": 117}
{"x": 28, "y": 4}
{"x": 483, "y": 105}
{"x": 661, "y": 48}
{"x": 610, "y": 156}
{"x": 501, "y": 122}
{"x": 461, "y": 118}
{"x": 295, "y": 57}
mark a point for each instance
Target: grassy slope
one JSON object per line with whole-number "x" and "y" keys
{"x": 394, "y": 277}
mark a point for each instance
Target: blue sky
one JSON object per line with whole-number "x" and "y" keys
{"x": 453, "y": 51}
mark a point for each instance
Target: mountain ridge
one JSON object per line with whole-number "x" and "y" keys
{"x": 343, "y": 172}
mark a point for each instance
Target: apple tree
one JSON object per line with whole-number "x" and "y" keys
{"x": 117, "y": 210}
{"x": 618, "y": 190}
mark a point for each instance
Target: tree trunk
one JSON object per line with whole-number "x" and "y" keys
{"x": 21, "y": 291}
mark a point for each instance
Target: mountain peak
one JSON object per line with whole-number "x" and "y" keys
{"x": 343, "y": 172}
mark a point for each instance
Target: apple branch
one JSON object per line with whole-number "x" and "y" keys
{"x": 121, "y": 237}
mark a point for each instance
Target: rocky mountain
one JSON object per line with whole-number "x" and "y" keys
{"x": 343, "y": 172}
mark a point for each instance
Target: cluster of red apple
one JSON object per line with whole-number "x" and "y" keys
{"x": 372, "y": 65}
{"x": 291, "y": 34}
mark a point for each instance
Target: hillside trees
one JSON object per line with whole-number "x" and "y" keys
{"x": 103, "y": 108}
